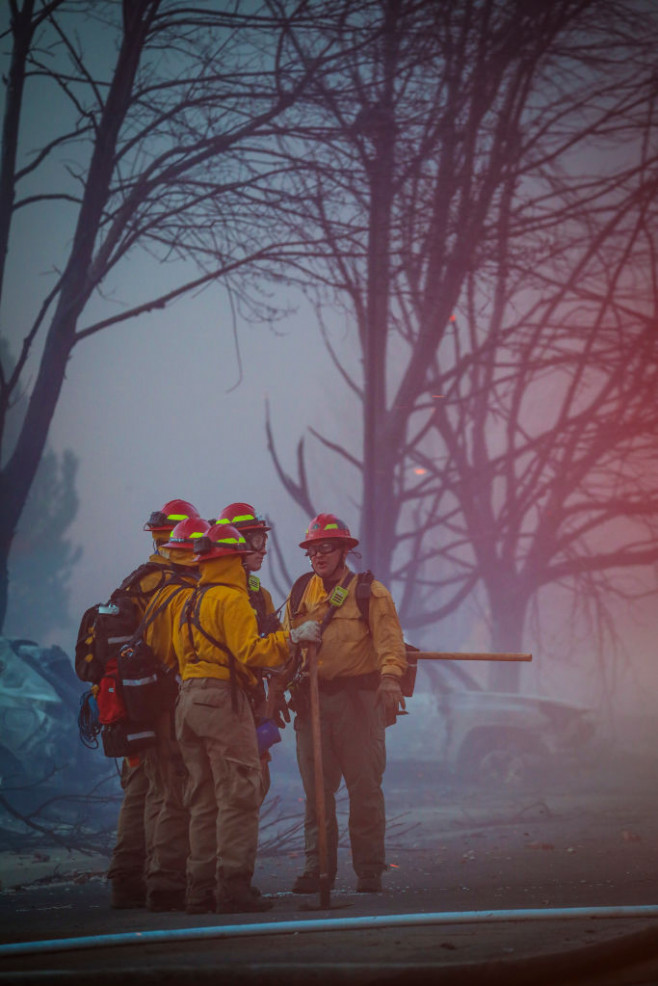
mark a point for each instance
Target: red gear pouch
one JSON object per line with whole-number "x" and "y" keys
{"x": 110, "y": 703}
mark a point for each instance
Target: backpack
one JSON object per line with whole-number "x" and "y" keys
{"x": 127, "y": 739}
{"x": 109, "y": 698}
{"x": 102, "y": 710}
{"x": 131, "y": 686}
{"x": 148, "y": 686}
{"x": 363, "y": 593}
{"x": 106, "y": 627}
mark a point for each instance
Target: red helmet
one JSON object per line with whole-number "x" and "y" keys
{"x": 327, "y": 527}
{"x": 172, "y": 512}
{"x": 221, "y": 540}
{"x": 186, "y": 533}
{"x": 244, "y": 517}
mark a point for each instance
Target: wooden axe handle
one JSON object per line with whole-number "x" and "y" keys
{"x": 433, "y": 655}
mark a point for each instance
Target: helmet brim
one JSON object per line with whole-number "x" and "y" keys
{"x": 223, "y": 553}
{"x": 348, "y": 543}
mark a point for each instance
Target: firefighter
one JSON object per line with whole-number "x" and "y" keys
{"x": 218, "y": 644}
{"x": 360, "y": 664}
{"x": 164, "y": 766}
{"x": 255, "y": 529}
{"x": 132, "y": 854}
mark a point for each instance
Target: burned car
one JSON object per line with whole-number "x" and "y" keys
{"x": 39, "y": 698}
{"x": 44, "y": 768}
{"x": 485, "y": 736}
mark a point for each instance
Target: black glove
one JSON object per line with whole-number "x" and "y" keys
{"x": 277, "y": 707}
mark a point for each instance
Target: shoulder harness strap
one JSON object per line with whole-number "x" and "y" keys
{"x": 191, "y": 615}
{"x": 363, "y": 594}
{"x": 152, "y": 614}
{"x": 297, "y": 591}
{"x": 129, "y": 584}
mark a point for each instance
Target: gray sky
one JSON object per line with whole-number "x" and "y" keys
{"x": 148, "y": 428}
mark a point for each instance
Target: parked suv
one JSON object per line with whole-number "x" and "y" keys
{"x": 486, "y": 736}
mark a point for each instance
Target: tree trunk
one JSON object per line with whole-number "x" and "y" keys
{"x": 22, "y": 35}
{"x": 17, "y": 475}
{"x": 378, "y": 461}
{"x": 508, "y": 610}
{"x": 377, "y": 482}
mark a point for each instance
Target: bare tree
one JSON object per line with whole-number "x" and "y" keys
{"x": 469, "y": 173}
{"x": 166, "y": 110}
{"x": 550, "y": 463}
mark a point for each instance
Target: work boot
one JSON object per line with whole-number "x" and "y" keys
{"x": 369, "y": 883}
{"x": 126, "y": 896}
{"x": 246, "y": 905}
{"x": 237, "y": 896}
{"x": 309, "y": 883}
{"x": 166, "y": 900}
{"x": 202, "y": 905}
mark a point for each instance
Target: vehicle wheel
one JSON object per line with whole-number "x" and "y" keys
{"x": 500, "y": 759}
{"x": 505, "y": 767}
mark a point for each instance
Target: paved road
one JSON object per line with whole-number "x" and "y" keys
{"x": 586, "y": 847}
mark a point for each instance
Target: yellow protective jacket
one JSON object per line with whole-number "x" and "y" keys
{"x": 151, "y": 580}
{"x": 348, "y": 647}
{"x": 163, "y": 614}
{"x": 225, "y": 613}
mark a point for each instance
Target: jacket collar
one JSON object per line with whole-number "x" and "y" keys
{"x": 228, "y": 569}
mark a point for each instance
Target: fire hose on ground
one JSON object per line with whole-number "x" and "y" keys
{"x": 310, "y": 925}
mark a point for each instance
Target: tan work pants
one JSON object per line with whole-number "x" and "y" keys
{"x": 353, "y": 748}
{"x": 168, "y": 780}
{"x": 132, "y": 856}
{"x": 219, "y": 748}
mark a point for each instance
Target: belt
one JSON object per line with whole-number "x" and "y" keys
{"x": 361, "y": 682}
{"x": 205, "y": 683}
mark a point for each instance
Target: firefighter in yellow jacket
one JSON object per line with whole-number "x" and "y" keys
{"x": 166, "y": 876}
{"x": 255, "y": 529}
{"x": 217, "y": 646}
{"x": 132, "y": 856}
{"x": 360, "y": 665}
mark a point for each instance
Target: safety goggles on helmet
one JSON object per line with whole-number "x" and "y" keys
{"x": 171, "y": 514}
{"x": 256, "y": 539}
{"x": 158, "y": 519}
{"x": 221, "y": 540}
{"x": 187, "y": 533}
{"x": 323, "y": 548}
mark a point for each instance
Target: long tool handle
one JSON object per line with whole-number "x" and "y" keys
{"x": 320, "y": 816}
{"x": 435, "y": 655}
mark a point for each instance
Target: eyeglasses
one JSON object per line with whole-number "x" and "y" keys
{"x": 256, "y": 540}
{"x": 322, "y": 549}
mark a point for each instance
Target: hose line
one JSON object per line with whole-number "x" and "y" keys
{"x": 327, "y": 924}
